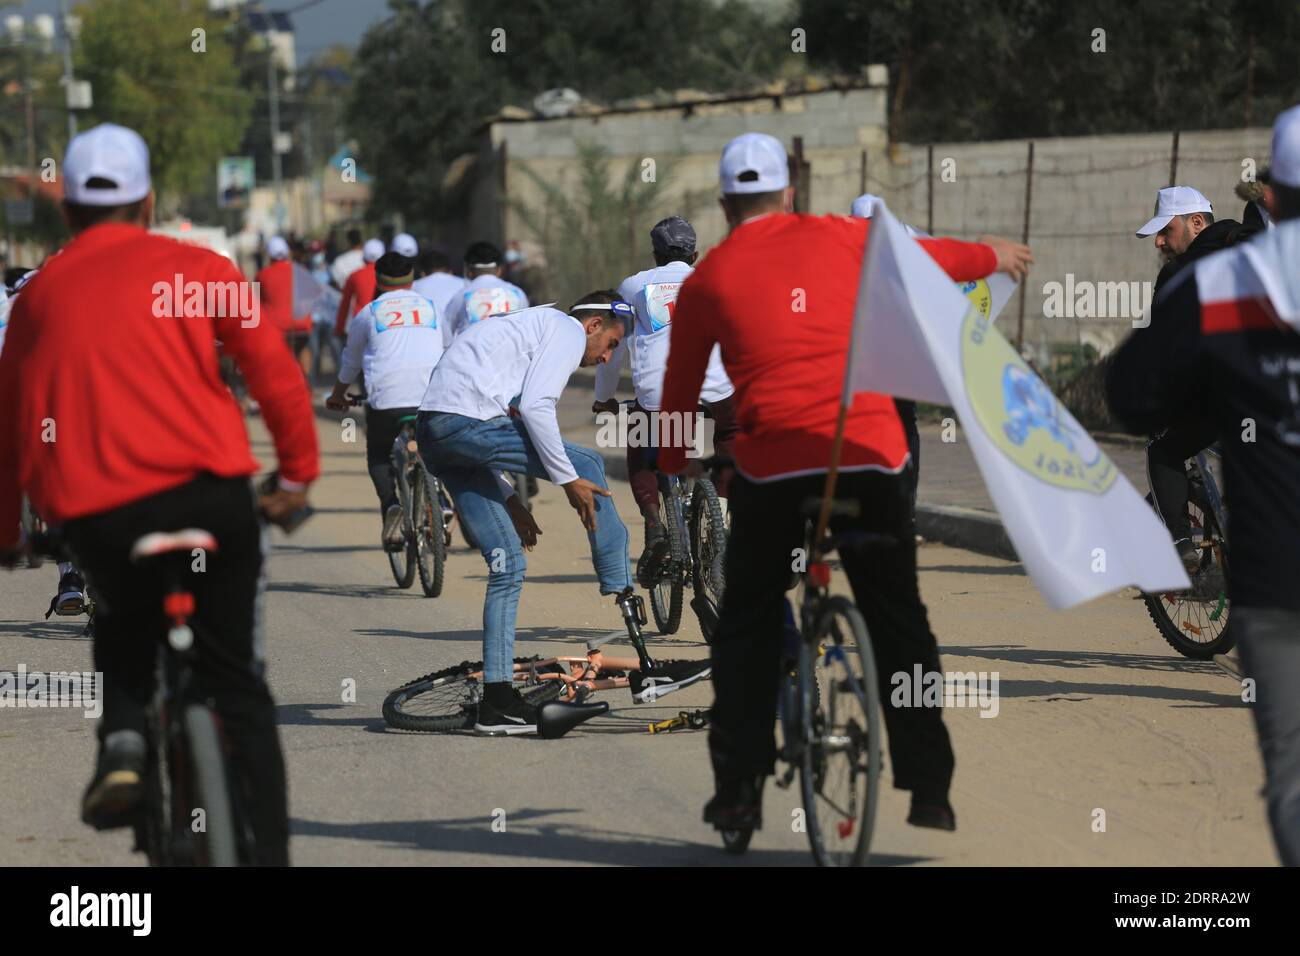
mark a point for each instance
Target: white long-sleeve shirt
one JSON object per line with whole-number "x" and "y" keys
{"x": 531, "y": 354}
{"x": 483, "y": 296}
{"x": 397, "y": 340}
{"x": 653, "y": 294}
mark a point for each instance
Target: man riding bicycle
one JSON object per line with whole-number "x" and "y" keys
{"x": 468, "y": 435}
{"x": 396, "y": 340}
{"x": 150, "y": 439}
{"x": 486, "y": 292}
{"x": 1185, "y": 230}
{"x": 788, "y": 368}
{"x": 653, "y": 295}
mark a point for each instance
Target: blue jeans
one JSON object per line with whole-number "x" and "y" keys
{"x": 465, "y": 453}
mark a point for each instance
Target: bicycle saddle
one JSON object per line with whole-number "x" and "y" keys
{"x": 555, "y": 719}
{"x": 165, "y": 542}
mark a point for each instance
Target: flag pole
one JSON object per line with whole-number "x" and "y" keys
{"x": 846, "y": 397}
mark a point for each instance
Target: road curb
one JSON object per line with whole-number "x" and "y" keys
{"x": 970, "y": 528}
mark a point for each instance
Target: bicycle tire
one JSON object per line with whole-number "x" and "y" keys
{"x": 666, "y": 594}
{"x": 813, "y": 763}
{"x": 460, "y": 709}
{"x": 210, "y": 787}
{"x": 430, "y": 536}
{"x": 1174, "y": 634}
{"x": 708, "y": 531}
{"x": 736, "y": 842}
{"x": 402, "y": 563}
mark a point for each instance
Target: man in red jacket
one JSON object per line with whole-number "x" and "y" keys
{"x": 275, "y": 282}
{"x": 778, "y": 294}
{"x": 359, "y": 289}
{"x": 115, "y": 422}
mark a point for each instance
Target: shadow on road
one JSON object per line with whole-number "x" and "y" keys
{"x": 1054, "y": 658}
{"x": 341, "y": 590}
{"x": 68, "y": 629}
{"x": 1013, "y": 569}
{"x": 306, "y": 715}
{"x": 528, "y": 836}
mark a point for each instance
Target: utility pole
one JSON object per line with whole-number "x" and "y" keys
{"x": 273, "y": 99}
{"x": 67, "y": 68}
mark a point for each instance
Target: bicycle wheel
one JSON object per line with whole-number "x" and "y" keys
{"x": 447, "y": 700}
{"x": 839, "y": 772}
{"x": 402, "y": 563}
{"x": 210, "y": 790}
{"x": 666, "y": 595}
{"x": 430, "y": 538}
{"x": 32, "y": 526}
{"x": 1195, "y": 623}
{"x": 708, "y": 550}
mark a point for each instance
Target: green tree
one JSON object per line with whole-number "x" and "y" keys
{"x": 186, "y": 104}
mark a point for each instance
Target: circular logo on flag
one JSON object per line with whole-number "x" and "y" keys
{"x": 978, "y": 292}
{"x": 1021, "y": 415}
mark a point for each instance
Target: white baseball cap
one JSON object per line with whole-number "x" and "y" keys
{"x": 1284, "y": 167}
{"x": 754, "y": 163}
{"x": 277, "y": 248}
{"x": 862, "y": 205}
{"x": 404, "y": 244}
{"x": 372, "y": 250}
{"x": 110, "y": 152}
{"x": 1174, "y": 201}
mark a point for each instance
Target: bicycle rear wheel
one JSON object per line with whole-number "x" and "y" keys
{"x": 430, "y": 537}
{"x": 666, "y": 594}
{"x": 216, "y": 844}
{"x": 447, "y": 700}
{"x": 840, "y": 767}
{"x": 708, "y": 551}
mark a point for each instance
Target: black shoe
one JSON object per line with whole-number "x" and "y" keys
{"x": 516, "y": 717}
{"x": 737, "y": 805}
{"x": 935, "y": 814}
{"x": 394, "y": 538}
{"x": 71, "y": 600}
{"x": 650, "y": 566}
{"x": 114, "y": 793}
{"x": 666, "y": 678}
{"x": 1189, "y": 554}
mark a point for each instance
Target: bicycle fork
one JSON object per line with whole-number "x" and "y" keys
{"x": 632, "y": 606}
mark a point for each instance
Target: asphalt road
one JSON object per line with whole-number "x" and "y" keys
{"x": 1095, "y": 712}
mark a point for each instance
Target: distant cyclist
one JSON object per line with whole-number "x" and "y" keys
{"x": 396, "y": 341}
{"x": 359, "y": 288}
{"x": 653, "y": 295}
{"x": 486, "y": 293}
{"x": 438, "y": 282}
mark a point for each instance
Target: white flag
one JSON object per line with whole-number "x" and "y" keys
{"x": 307, "y": 291}
{"x": 1079, "y": 527}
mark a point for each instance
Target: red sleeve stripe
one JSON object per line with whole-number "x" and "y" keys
{"x": 1239, "y": 315}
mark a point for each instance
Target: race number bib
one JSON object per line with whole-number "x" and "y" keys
{"x": 403, "y": 314}
{"x": 660, "y": 302}
{"x": 480, "y": 303}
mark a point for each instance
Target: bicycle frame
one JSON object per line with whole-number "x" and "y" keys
{"x": 1212, "y": 490}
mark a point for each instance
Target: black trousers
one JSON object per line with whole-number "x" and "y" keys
{"x": 130, "y": 624}
{"x": 1167, "y": 471}
{"x": 382, "y": 426}
{"x": 907, "y": 413}
{"x": 766, "y": 528}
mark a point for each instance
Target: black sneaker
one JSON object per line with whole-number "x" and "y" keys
{"x": 394, "y": 538}
{"x": 115, "y": 791}
{"x": 71, "y": 600}
{"x": 650, "y": 566}
{"x": 934, "y": 814}
{"x": 517, "y": 717}
{"x": 737, "y": 806}
{"x": 665, "y": 678}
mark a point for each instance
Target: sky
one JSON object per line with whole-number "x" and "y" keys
{"x": 325, "y": 23}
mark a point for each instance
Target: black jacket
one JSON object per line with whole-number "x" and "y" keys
{"x": 1235, "y": 365}
{"x": 1217, "y": 235}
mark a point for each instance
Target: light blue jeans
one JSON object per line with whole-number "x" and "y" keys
{"x": 465, "y": 453}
